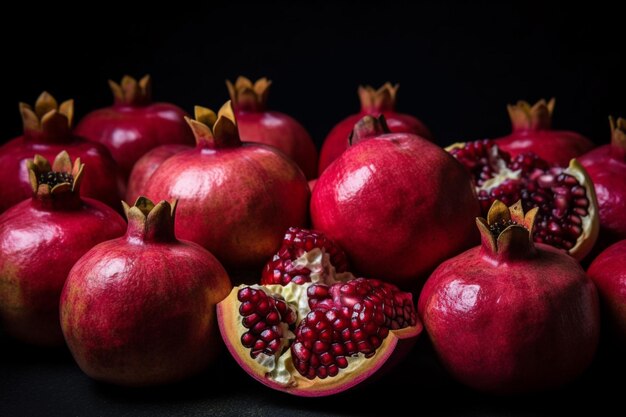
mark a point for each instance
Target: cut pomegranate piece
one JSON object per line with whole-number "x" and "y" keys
{"x": 567, "y": 217}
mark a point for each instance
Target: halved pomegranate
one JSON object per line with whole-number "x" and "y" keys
{"x": 568, "y": 215}
{"x": 324, "y": 336}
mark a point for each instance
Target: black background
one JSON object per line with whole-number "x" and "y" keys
{"x": 458, "y": 64}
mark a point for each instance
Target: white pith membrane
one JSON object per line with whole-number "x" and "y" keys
{"x": 590, "y": 222}
{"x": 279, "y": 369}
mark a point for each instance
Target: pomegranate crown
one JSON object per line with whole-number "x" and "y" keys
{"x": 48, "y": 116}
{"x": 130, "y": 92}
{"x": 215, "y": 130}
{"x": 376, "y": 101}
{"x": 507, "y": 232}
{"x": 526, "y": 117}
{"x": 618, "y": 138}
{"x": 248, "y": 96}
{"x": 368, "y": 127}
{"x": 150, "y": 222}
{"x": 61, "y": 177}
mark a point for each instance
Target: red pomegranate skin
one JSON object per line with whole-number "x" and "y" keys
{"x": 138, "y": 311}
{"x": 513, "y": 328}
{"x": 145, "y": 167}
{"x": 557, "y": 147}
{"x": 608, "y": 272}
{"x": 129, "y": 131}
{"x": 398, "y": 205}
{"x": 606, "y": 165}
{"x": 39, "y": 246}
{"x": 102, "y": 180}
{"x": 236, "y": 198}
{"x": 282, "y": 132}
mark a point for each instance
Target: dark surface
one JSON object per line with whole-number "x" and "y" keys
{"x": 458, "y": 63}
{"x": 35, "y": 382}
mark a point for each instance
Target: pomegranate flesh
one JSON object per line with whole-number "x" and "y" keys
{"x": 134, "y": 124}
{"x": 140, "y": 310}
{"x": 320, "y": 337}
{"x": 567, "y": 217}
{"x": 258, "y": 124}
{"x": 511, "y": 315}
{"x": 236, "y": 199}
{"x": 608, "y": 272}
{"x": 374, "y": 103}
{"x": 606, "y": 166}
{"x": 40, "y": 239}
{"x": 532, "y": 132}
{"x": 47, "y": 132}
{"x": 396, "y": 203}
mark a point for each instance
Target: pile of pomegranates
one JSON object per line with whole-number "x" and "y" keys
{"x": 328, "y": 269}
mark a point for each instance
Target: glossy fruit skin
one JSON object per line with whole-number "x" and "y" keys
{"x": 398, "y": 205}
{"x": 337, "y": 140}
{"x": 145, "y": 167}
{"x": 510, "y": 328}
{"x": 282, "y": 132}
{"x": 608, "y": 174}
{"x": 557, "y": 147}
{"x": 103, "y": 180}
{"x": 608, "y": 272}
{"x": 38, "y": 247}
{"x": 136, "y": 312}
{"x": 129, "y": 131}
{"x": 234, "y": 201}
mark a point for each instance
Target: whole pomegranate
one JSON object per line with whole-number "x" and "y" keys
{"x": 606, "y": 166}
{"x": 608, "y": 272}
{"x": 310, "y": 331}
{"x": 532, "y": 132}
{"x": 40, "y": 239}
{"x": 140, "y": 310}
{"x": 47, "y": 131}
{"x": 236, "y": 198}
{"x": 511, "y": 315}
{"x": 134, "y": 124}
{"x": 257, "y": 124}
{"x": 373, "y": 103}
{"x": 396, "y": 203}
{"x": 145, "y": 167}
{"x": 568, "y": 214}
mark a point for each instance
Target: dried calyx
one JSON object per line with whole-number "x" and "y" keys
{"x": 377, "y": 101}
{"x": 248, "y": 96}
{"x": 130, "y": 92}
{"x": 48, "y": 118}
{"x": 61, "y": 177}
{"x": 368, "y": 127}
{"x": 526, "y": 117}
{"x": 149, "y": 222}
{"x": 215, "y": 130}
{"x": 618, "y": 138}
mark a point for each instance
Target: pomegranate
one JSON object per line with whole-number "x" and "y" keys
{"x": 606, "y": 166}
{"x": 40, "y": 239}
{"x": 396, "y": 203}
{"x": 236, "y": 198}
{"x": 140, "y": 310}
{"x": 145, "y": 167}
{"x": 134, "y": 124}
{"x": 608, "y": 272}
{"x": 257, "y": 124}
{"x": 532, "y": 133}
{"x": 373, "y": 103}
{"x": 511, "y": 315}
{"x": 47, "y": 132}
{"x": 322, "y": 332}
{"x": 568, "y": 216}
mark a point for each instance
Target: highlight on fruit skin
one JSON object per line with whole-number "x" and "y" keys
{"x": 511, "y": 315}
{"x": 323, "y": 336}
{"x": 566, "y": 197}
